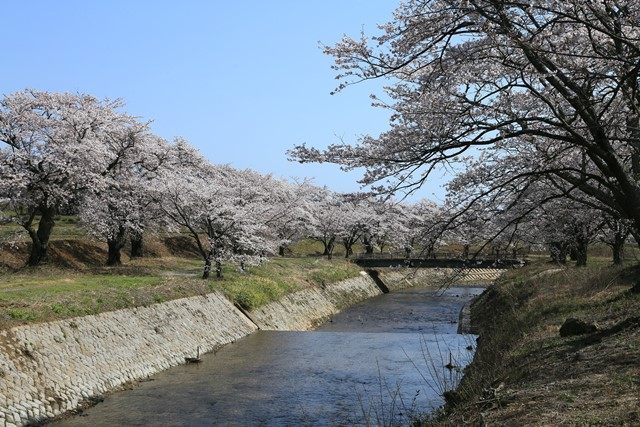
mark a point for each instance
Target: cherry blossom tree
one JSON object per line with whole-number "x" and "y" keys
{"x": 261, "y": 211}
{"x": 121, "y": 206}
{"x": 325, "y": 225}
{"x": 227, "y": 212}
{"x": 419, "y": 228}
{"x": 567, "y": 230}
{"x": 533, "y": 208}
{"x": 402, "y": 234}
{"x": 470, "y": 230}
{"x": 559, "y": 80}
{"x": 354, "y": 216}
{"x": 55, "y": 147}
{"x": 291, "y": 211}
{"x": 615, "y": 234}
{"x": 382, "y": 223}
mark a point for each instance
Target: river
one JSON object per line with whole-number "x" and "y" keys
{"x": 379, "y": 362}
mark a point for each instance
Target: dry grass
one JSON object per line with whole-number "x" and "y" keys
{"x": 524, "y": 373}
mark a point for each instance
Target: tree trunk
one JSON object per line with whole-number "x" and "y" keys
{"x": 207, "y": 266}
{"x": 40, "y": 238}
{"x": 407, "y": 251}
{"x": 573, "y": 253}
{"x": 137, "y": 245}
{"x": 113, "y": 257}
{"x": 329, "y": 248}
{"x": 431, "y": 248}
{"x": 558, "y": 252}
{"x": 581, "y": 247}
{"x": 617, "y": 249}
{"x": 368, "y": 246}
{"x": 115, "y": 246}
{"x": 218, "y": 268}
{"x": 114, "y": 253}
{"x": 348, "y": 248}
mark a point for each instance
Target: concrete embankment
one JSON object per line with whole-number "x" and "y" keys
{"x": 304, "y": 310}
{"x": 50, "y": 368}
{"x": 438, "y": 277}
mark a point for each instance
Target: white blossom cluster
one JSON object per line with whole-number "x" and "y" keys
{"x": 74, "y": 153}
{"x": 534, "y": 105}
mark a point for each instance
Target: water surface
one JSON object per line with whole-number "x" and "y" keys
{"x": 381, "y": 361}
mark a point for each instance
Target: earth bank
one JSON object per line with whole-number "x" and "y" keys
{"x": 525, "y": 373}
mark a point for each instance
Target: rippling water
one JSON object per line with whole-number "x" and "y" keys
{"x": 381, "y": 361}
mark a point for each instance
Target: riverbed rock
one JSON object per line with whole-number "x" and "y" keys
{"x": 573, "y": 326}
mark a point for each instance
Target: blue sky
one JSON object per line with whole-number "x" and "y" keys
{"x": 241, "y": 80}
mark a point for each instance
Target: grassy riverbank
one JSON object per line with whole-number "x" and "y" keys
{"x": 524, "y": 373}
{"x": 75, "y": 283}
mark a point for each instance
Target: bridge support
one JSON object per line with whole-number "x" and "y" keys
{"x": 376, "y": 278}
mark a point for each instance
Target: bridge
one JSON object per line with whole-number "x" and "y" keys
{"x": 434, "y": 260}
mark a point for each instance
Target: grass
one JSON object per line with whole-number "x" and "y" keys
{"x": 525, "y": 373}
{"x": 76, "y": 282}
{"x": 39, "y": 295}
{"x": 280, "y": 276}
{"x": 66, "y": 227}
{"x": 69, "y": 227}
{"x": 49, "y": 293}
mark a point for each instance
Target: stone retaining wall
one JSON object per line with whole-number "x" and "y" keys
{"x": 47, "y": 369}
{"x": 50, "y": 368}
{"x": 305, "y": 309}
{"x": 436, "y": 277}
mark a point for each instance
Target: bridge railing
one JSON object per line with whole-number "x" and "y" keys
{"x": 418, "y": 255}
{"x": 401, "y": 255}
{"x": 435, "y": 258}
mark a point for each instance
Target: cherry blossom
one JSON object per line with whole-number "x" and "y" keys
{"x": 548, "y": 81}
{"x": 56, "y": 147}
